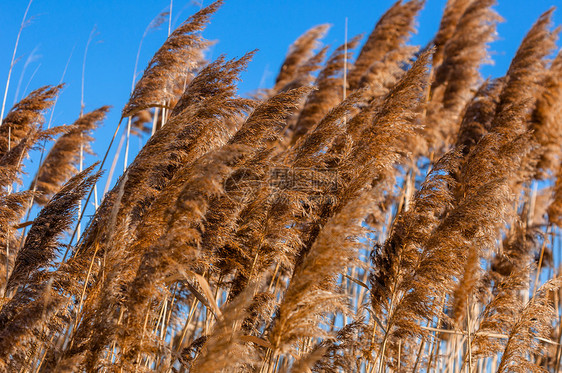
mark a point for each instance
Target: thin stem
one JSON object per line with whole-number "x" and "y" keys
{"x": 170, "y": 18}
{"x": 90, "y": 194}
{"x": 345, "y": 63}
{"x": 126, "y": 160}
{"x": 114, "y": 164}
{"x": 92, "y": 34}
{"x": 540, "y": 262}
{"x": 13, "y": 62}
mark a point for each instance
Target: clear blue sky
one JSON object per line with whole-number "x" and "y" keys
{"x": 61, "y": 27}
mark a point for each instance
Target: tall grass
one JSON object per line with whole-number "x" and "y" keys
{"x": 393, "y": 212}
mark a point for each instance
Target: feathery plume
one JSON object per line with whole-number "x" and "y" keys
{"x": 500, "y": 313}
{"x": 449, "y": 21}
{"x": 546, "y": 122}
{"x": 390, "y": 33}
{"x": 301, "y": 54}
{"x": 391, "y": 130}
{"x": 11, "y": 163}
{"x": 311, "y": 291}
{"x": 61, "y": 161}
{"x": 526, "y": 72}
{"x": 198, "y": 125}
{"x": 41, "y": 243}
{"x": 327, "y": 93}
{"x": 27, "y": 317}
{"x": 479, "y": 113}
{"x": 223, "y": 347}
{"x": 12, "y": 209}
{"x": 411, "y": 231}
{"x": 458, "y": 74}
{"x": 25, "y": 115}
{"x": 176, "y": 59}
{"x": 533, "y": 321}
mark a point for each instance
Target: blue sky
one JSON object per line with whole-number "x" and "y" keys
{"x": 60, "y": 29}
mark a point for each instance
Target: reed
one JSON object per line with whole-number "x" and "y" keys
{"x": 393, "y": 212}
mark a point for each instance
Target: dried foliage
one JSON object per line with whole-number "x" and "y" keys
{"x": 390, "y": 33}
{"x": 388, "y": 213}
{"x": 173, "y": 63}
{"x": 25, "y": 116}
{"x": 546, "y": 122}
{"x": 41, "y": 242}
{"x": 32, "y": 294}
{"x": 63, "y": 158}
{"x": 328, "y": 90}
{"x": 301, "y": 60}
{"x": 457, "y": 75}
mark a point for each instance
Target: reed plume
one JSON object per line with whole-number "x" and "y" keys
{"x": 458, "y": 74}
{"x": 311, "y": 292}
{"x": 41, "y": 242}
{"x": 454, "y": 9}
{"x": 226, "y": 337}
{"x": 185, "y": 137}
{"x": 301, "y": 58}
{"x": 25, "y": 115}
{"x": 532, "y": 322}
{"x": 479, "y": 113}
{"x": 12, "y": 211}
{"x": 327, "y": 93}
{"x": 63, "y": 158}
{"x": 545, "y": 120}
{"x": 390, "y": 32}
{"x": 396, "y": 218}
{"x": 26, "y": 316}
{"x": 12, "y": 162}
{"x": 174, "y": 62}
{"x": 524, "y": 76}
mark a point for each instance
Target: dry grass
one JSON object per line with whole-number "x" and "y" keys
{"x": 389, "y": 213}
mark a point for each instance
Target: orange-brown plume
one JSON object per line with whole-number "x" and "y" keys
{"x": 63, "y": 158}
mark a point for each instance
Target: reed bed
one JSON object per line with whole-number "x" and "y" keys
{"x": 389, "y": 212}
